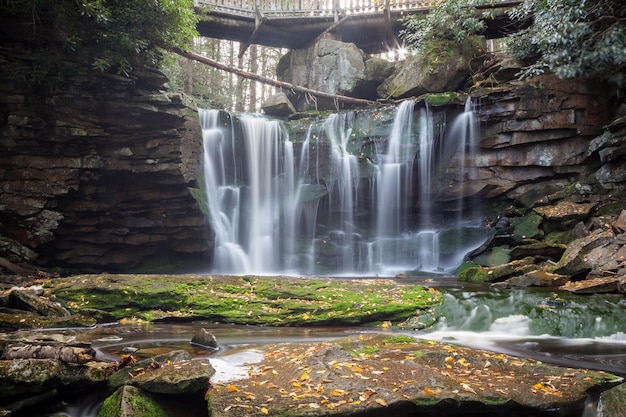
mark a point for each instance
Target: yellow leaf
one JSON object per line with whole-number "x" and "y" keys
{"x": 296, "y": 384}
{"x": 449, "y": 359}
{"x": 429, "y": 391}
{"x": 463, "y": 362}
{"x": 232, "y": 388}
{"x": 264, "y": 410}
{"x": 304, "y": 377}
{"x": 538, "y": 385}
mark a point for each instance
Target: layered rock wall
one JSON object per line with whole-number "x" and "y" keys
{"x": 95, "y": 171}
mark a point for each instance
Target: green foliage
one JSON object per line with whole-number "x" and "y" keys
{"x": 106, "y": 35}
{"x": 452, "y": 20}
{"x": 572, "y": 38}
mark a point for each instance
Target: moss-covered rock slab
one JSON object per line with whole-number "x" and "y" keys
{"x": 276, "y": 301}
{"x": 390, "y": 375}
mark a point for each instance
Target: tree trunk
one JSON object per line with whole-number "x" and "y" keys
{"x": 254, "y": 68}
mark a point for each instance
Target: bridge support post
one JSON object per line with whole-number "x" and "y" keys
{"x": 259, "y": 19}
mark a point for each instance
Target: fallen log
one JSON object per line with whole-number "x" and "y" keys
{"x": 67, "y": 354}
{"x": 16, "y": 269}
{"x": 270, "y": 81}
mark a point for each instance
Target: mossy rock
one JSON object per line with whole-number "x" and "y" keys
{"x": 527, "y": 227}
{"x": 131, "y": 401}
{"x": 442, "y": 99}
{"x": 470, "y": 272}
{"x": 497, "y": 256}
{"x": 280, "y": 301}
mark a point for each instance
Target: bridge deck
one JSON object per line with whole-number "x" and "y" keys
{"x": 373, "y": 25}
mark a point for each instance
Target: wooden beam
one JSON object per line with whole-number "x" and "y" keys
{"x": 270, "y": 81}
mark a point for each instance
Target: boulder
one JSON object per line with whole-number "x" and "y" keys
{"x": 186, "y": 377}
{"x": 124, "y": 376}
{"x": 278, "y": 105}
{"x": 444, "y": 68}
{"x": 205, "y": 339}
{"x": 333, "y": 67}
{"x": 593, "y": 251}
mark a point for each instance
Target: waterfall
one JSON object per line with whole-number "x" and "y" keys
{"x": 278, "y": 206}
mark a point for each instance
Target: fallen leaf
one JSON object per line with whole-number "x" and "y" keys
{"x": 382, "y": 402}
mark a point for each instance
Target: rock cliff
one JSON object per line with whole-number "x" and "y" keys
{"x": 95, "y": 170}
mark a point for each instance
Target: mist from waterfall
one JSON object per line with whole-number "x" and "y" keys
{"x": 316, "y": 207}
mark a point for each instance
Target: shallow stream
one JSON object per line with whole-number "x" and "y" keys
{"x": 556, "y": 328}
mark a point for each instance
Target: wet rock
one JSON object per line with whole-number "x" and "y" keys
{"x": 612, "y": 403}
{"x": 537, "y": 278}
{"x": 129, "y": 401}
{"x": 619, "y": 226}
{"x": 26, "y": 378}
{"x": 539, "y": 249}
{"x": 99, "y": 316}
{"x": 176, "y": 378}
{"x": 24, "y": 320}
{"x": 205, "y": 339}
{"x": 124, "y": 375}
{"x": 379, "y": 374}
{"x": 496, "y": 256}
{"x": 527, "y": 227}
{"x": 425, "y": 320}
{"x": 565, "y": 211}
{"x": 583, "y": 255}
{"x": 496, "y": 273}
{"x": 26, "y": 300}
{"x": 592, "y": 286}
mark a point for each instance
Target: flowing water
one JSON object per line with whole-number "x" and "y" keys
{"x": 560, "y": 329}
{"x": 319, "y": 206}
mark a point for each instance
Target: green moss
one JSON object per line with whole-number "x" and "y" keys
{"x": 442, "y": 99}
{"x": 469, "y": 272}
{"x": 527, "y": 227}
{"x": 248, "y": 300}
{"x": 130, "y": 401}
{"x": 400, "y": 339}
{"x": 497, "y": 256}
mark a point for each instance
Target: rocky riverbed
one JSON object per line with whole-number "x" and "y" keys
{"x": 375, "y": 373}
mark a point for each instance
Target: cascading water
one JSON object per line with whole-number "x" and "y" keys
{"x": 322, "y": 206}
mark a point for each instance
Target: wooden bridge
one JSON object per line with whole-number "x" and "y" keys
{"x": 373, "y": 25}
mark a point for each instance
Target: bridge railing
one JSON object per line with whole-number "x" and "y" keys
{"x": 295, "y": 8}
